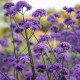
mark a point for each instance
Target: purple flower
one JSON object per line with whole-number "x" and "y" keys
{"x": 4, "y": 68}
{"x": 56, "y": 36}
{"x": 19, "y": 67}
{"x": 17, "y": 40}
{"x": 18, "y": 30}
{"x": 40, "y": 67}
{"x": 36, "y": 25}
{"x": 58, "y": 50}
{"x": 78, "y": 32}
{"x": 65, "y": 7}
{"x": 13, "y": 25}
{"x": 76, "y": 73}
{"x": 72, "y": 38}
{"x": 41, "y": 47}
{"x": 74, "y": 26}
{"x": 11, "y": 12}
{"x": 21, "y": 4}
{"x": 27, "y": 24}
{"x": 37, "y": 55}
{"x": 61, "y": 24}
{"x": 2, "y": 54}
{"x": 65, "y": 45}
{"x": 70, "y": 9}
{"x": 64, "y": 57}
{"x": 54, "y": 28}
{"x": 65, "y": 71}
{"x": 12, "y": 60}
{"x": 51, "y": 18}
{"x": 69, "y": 21}
{"x": 76, "y": 66}
{"x": 63, "y": 32}
{"x": 57, "y": 15}
{"x": 41, "y": 78}
{"x": 31, "y": 43}
{"x": 78, "y": 14}
{"x": 77, "y": 48}
{"x": 8, "y": 5}
{"x": 77, "y": 59}
{"x": 44, "y": 37}
{"x": 28, "y": 75}
{"x": 39, "y": 13}
{"x": 4, "y": 42}
{"x": 17, "y": 48}
{"x": 22, "y": 22}
{"x": 56, "y": 66}
{"x": 24, "y": 59}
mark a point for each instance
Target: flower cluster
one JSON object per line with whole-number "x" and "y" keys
{"x": 40, "y": 59}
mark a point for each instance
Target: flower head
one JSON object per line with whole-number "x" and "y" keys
{"x": 41, "y": 47}
{"x": 64, "y": 57}
{"x": 39, "y": 13}
{"x": 21, "y": 4}
{"x": 8, "y": 5}
{"x": 19, "y": 67}
{"x": 51, "y": 18}
{"x": 69, "y": 21}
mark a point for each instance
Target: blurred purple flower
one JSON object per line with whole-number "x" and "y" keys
{"x": 39, "y": 13}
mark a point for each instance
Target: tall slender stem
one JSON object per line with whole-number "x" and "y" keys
{"x": 29, "y": 51}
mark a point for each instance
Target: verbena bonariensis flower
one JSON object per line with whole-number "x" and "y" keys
{"x": 76, "y": 73}
{"x": 19, "y": 30}
{"x": 57, "y": 15}
{"x": 20, "y": 4}
{"x": 13, "y": 25}
{"x": 41, "y": 48}
{"x": 78, "y": 32}
{"x": 65, "y": 45}
{"x": 2, "y": 54}
{"x": 56, "y": 36}
{"x": 77, "y": 59}
{"x": 17, "y": 40}
{"x": 51, "y": 18}
{"x": 78, "y": 14}
{"x": 37, "y": 55}
{"x": 40, "y": 67}
{"x": 76, "y": 66}
{"x": 19, "y": 67}
{"x": 58, "y": 50}
{"x": 11, "y": 12}
{"x": 72, "y": 38}
{"x": 44, "y": 37}
{"x": 8, "y": 5}
{"x": 69, "y": 21}
{"x": 64, "y": 57}
{"x": 24, "y": 59}
{"x": 4, "y": 42}
{"x": 70, "y": 9}
{"x": 12, "y": 60}
{"x": 65, "y": 71}
{"x": 54, "y": 28}
{"x": 77, "y": 48}
{"x": 4, "y": 68}
{"x": 28, "y": 75}
{"x": 39, "y": 13}
{"x": 74, "y": 26}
